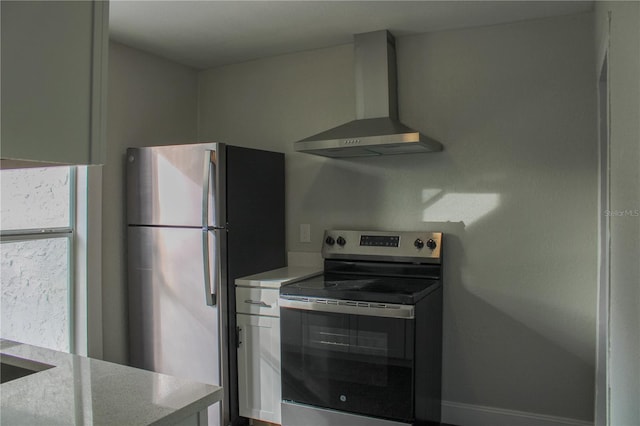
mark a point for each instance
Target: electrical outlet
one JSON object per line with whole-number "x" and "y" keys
{"x": 305, "y": 233}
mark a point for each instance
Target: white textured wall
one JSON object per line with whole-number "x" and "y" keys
{"x": 152, "y": 101}
{"x": 35, "y": 292}
{"x": 36, "y": 198}
{"x": 34, "y": 275}
{"x": 514, "y": 191}
{"x": 624, "y": 109}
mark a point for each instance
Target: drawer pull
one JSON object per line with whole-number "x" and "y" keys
{"x": 257, "y": 302}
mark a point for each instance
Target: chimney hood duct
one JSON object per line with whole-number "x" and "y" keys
{"x": 376, "y": 131}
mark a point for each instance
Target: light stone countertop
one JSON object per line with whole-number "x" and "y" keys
{"x": 278, "y": 277}
{"x": 85, "y": 391}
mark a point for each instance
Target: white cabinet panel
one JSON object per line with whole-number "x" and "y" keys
{"x": 259, "y": 367}
{"x": 258, "y": 301}
{"x": 54, "y": 59}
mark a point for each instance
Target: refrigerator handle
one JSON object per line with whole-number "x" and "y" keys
{"x": 206, "y": 179}
{"x": 210, "y": 298}
{"x": 209, "y": 289}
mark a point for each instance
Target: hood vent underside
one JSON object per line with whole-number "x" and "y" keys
{"x": 376, "y": 131}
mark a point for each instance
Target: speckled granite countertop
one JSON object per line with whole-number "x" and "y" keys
{"x": 85, "y": 391}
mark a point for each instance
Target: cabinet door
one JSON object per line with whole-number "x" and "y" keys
{"x": 54, "y": 58}
{"x": 259, "y": 367}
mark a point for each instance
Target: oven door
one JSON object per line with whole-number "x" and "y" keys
{"x": 354, "y": 363}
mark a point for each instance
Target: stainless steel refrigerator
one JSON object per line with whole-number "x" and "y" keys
{"x": 199, "y": 216}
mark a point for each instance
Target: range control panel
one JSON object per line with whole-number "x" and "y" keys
{"x": 380, "y": 240}
{"x": 401, "y": 246}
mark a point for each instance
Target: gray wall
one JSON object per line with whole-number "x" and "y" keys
{"x": 514, "y": 190}
{"x": 152, "y": 101}
{"x": 623, "y": 40}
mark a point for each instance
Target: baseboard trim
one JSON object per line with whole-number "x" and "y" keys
{"x": 460, "y": 414}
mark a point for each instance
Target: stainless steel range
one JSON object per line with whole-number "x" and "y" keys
{"x": 362, "y": 343}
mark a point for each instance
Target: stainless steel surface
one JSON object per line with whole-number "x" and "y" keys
{"x": 375, "y": 75}
{"x": 213, "y": 289}
{"x": 176, "y": 214}
{"x": 393, "y": 277}
{"x": 376, "y": 131}
{"x": 206, "y": 186}
{"x": 210, "y": 188}
{"x": 350, "y": 307}
{"x": 165, "y": 186}
{"x": 181, "y": 189}
{"x": 178, "y": 333}
{"x": 217, "y": 222}
{"x": 368, "y": 137}
{"x": 213, "y": 189}
{"x": 304, "y": 415}
{"x": 209, "y": 292}
{"x": 405, "y": 252}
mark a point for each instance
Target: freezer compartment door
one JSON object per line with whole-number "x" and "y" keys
{"x": 172, "y": 328}
{"x": 176, "y": 185}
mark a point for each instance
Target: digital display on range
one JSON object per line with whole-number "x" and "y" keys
{"x": 379, "y": 240}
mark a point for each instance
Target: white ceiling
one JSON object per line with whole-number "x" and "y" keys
{"x": 206, "y": 34}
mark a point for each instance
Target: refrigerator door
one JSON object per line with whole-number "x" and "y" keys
{"x": 172, "y": 328}
{"x": 176, "y": 185}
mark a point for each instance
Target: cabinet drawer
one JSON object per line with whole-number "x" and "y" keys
{"x": 259, "y": 301}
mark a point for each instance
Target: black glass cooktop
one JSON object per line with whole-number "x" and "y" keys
{"x": 363, "y": 288}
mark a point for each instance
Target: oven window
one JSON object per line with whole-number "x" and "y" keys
{"x": 353, "y": 363}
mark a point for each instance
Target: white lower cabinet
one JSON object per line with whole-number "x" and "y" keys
{"x": 258, "y": 321}
{"x": 259, "y": 367}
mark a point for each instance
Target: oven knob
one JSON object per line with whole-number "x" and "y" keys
{"x": 341, "y": 241}
{"x": 431, "y": 244}
{"x": 330, "y": 241}
{"x": 418, "y": 243}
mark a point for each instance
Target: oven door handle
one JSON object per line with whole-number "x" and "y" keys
{"x": 349, "y": 307}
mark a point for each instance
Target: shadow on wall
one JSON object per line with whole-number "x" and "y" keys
{"x": 488, "y": 353}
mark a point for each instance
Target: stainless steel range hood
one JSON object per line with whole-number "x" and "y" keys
{"x": 376, "y": 131}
